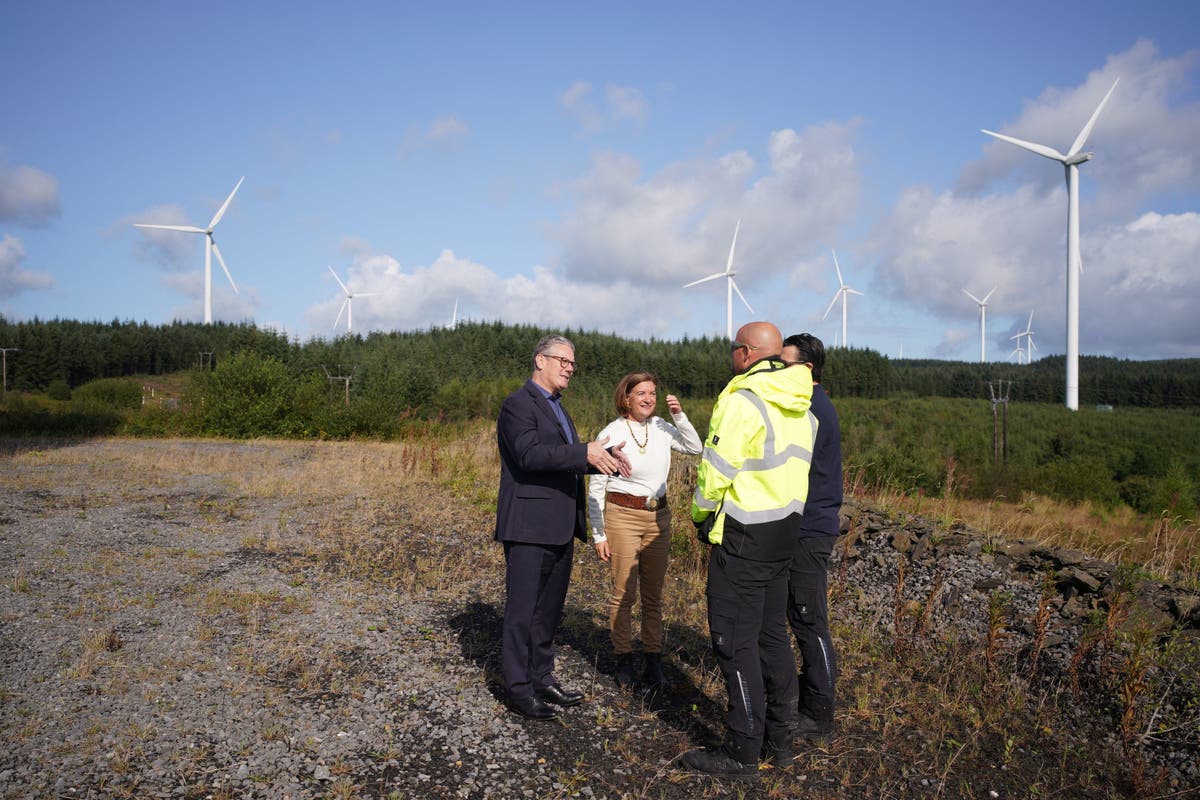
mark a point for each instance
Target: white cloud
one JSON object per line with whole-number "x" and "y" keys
{"x": 14, "y": 279}
{"x": 171, "y": 250}
{"x": 1138, "y": 291}
{"x": 28, "y": 196}
{"x": 446, "y": 134}
{"x": 620, "y": 103}
{"x": 1144, "y": 139}
{"x": 425, "y": 296}
{"x": 675, "y": 226}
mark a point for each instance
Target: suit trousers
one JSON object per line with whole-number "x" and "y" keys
{"x": 747, "y": 618}
{"x": 639, "y": 542}
{"x": 808, "y": 615}
{"x": 536, "y": 579}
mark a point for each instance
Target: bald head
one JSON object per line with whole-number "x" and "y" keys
{"x": 756, "y": 341}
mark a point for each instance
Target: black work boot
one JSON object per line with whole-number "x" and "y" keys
{"x": 809, "y": 728}
{"x": 652, "y": 671}
{"x": 715, "y": 761}
{"x": 625, "y": 675}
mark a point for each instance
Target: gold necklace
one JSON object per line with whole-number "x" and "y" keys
{"x": 641, "y": 446}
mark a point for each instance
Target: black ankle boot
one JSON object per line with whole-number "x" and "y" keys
{"x": 652, "y": 671}
{"x": 625, "y": 671}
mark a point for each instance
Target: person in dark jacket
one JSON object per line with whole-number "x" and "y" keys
{"x": 539, "y": 512}
{"x": 808, "y": 607}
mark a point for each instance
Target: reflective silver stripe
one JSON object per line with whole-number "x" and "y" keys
{"x": 703, "y": 502}
{"x": 828, "y": 666}
{"x": 745, "y": 692}
{"x": 717, "y": 462}
{"x": 778, "y": 459}
{"x": 757, "y": 402}
{"x": 755, "y": 517}
{"x": 816, "y": 423}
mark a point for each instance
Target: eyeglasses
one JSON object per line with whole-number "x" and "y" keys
{"x": 736, "y": 345}
{"x": 563, "y": 360}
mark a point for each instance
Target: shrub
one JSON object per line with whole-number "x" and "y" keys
{"x": 121, "y": 393}
{"x": 58, "y": 389}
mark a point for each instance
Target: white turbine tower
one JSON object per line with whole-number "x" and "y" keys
{"x": 982, "y": 322}
{"x": 210, "y": 247}
{"x": 348, "y": 303}
{"x": 730, "y": 286}
{"x": 843, "y": 291}
{"x": 454, "y": 316}
{"x": 1070, "y": 161}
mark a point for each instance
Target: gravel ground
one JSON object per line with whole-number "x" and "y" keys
{"x": 180, "y": 639}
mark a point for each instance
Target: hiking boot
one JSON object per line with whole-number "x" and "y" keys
{"x": 779, "y": 755}
{"x": 625, "y": 675}
{"x": 652, "y": 671}
{"x": 718, "y": 762}
{"x": 809, "y": 728}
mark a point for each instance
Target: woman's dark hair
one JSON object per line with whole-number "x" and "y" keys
{"x": 812, "y": 351}
{"x": 625, "y": 388}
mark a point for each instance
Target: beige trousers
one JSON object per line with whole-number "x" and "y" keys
{"x": 639, "y": 542}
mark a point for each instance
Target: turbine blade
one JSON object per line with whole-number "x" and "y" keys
{"x": 739, "y": 294}
{"x": 1040, "y": 149}
{"x": 1031, "y": 344}
{"x": 729, "y": 263}
{"x": 973, "y": 297}
{"x": 841, "y": 282}
{"x": 832, "y": 302}
{"x": 848, "y": 290}
{"x": 983, "y": 302}
{"x": 714, "y": 276}
{"x": 221, "y": 261}
{"x": 339, "y": 280}
{"x": 184, "y": 228}
{"x": 224, "y": 206}
{"x": 340, "y": 310}
{"x": 366, "y": 294}
{"x": 1081, "y": 139}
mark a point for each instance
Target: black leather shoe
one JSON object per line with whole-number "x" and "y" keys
{"x": 718, "y": 762}
{"x": 560, "y": 696}
{"x": 532, "y": 707}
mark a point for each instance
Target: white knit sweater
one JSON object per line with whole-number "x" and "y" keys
{"x": 648, "y": 477}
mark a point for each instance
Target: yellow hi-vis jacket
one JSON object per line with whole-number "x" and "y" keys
{"x": 754, "y": 471}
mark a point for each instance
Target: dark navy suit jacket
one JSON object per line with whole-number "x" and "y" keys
{"x": 541, "y": 498}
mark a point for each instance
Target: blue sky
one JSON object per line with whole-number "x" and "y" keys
{"x": 574, "y": 165}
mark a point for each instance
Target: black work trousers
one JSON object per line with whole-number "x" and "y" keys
{"x": 747, "y": 618}
{"x": 808, "y": 615}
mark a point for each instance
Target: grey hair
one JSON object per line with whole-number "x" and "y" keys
{"x": 545, "y": 343}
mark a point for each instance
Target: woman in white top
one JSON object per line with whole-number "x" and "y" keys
{"x": 631, "y": 523}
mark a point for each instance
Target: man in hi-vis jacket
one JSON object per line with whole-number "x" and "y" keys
{"x": 750, "y": 490}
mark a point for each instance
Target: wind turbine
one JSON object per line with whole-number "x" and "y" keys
{"x": 210, "y": 247}
{"x": 1027, "y": 334}
{"x": 982, "y": 322}
{"x": 1070, "y": 161}
{"x": 730, "y": 286}
{"x": 348, "y": 303}
{"x": 843, "y": 291}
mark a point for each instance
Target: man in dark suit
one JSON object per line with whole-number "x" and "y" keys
{"x": 539, "y": 511}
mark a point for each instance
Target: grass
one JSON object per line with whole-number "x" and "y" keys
{"x": 922, "y": 713}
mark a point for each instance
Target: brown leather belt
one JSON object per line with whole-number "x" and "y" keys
{"x": 637, "y": 501}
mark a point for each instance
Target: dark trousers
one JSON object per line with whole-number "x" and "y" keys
{"x": 747, "y": 617}
{"x": 808, "y": 615}
{"x": 536, "y": 578}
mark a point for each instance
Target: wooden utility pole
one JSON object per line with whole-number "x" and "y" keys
{"x": 5, "y": 351}
{"x": 999, "y": 393}
{"x": 345, "y": 379}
